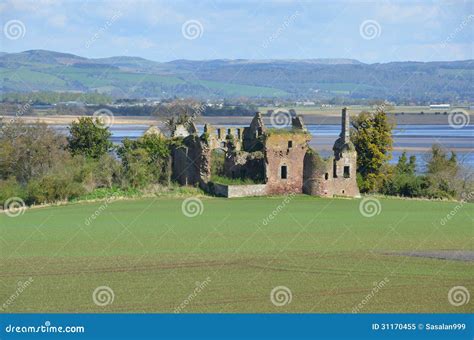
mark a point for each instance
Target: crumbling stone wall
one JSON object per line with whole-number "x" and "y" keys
{"x": 191, "y": 161}
{"x": 320, "y": 176}
{"x": 284, "y": 160}
{"x": 253, "y": 136}
{"x": 242, "y": 164}
{"x": 238, "y": 190}
{"x": 345, "y": 184}
{"x": 317, "y": 175}
{"x": 179, "y": 165}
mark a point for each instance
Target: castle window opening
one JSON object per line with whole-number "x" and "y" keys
{"x": 284, "y": 172}
{"x": 334, "y": 171}
{"x": 347, "y": 172}
{"x": 326, "y": 176}
{"x": 290, "y": 144}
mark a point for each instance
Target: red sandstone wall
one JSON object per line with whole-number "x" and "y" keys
{"x": 277, "y": 154}
{"x": 316, "y": 184}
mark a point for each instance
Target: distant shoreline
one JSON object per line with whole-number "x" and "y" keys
{"x": 415, "y": 119}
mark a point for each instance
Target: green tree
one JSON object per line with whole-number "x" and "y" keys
{"x": 405, "y": 165}
{"x": 89, "y": 137}
{"x": 402, "y": 179}
{"x": 372, "y": 138}
{"x": 442, "y": 173}
{"x": 137, "y": 168}
{"x": 145, "y": 160}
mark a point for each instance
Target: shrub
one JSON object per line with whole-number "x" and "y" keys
{"x": 29, "y": 150}
{"x": 217, "y": 162}
{"x": 11, "y": 188}
{"x": 145, "y": 160}
{"x": 66, "y": 180}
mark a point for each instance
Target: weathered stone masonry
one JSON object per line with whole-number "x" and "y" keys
{"x": 280, "y": 158}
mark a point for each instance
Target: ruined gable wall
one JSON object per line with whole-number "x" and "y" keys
{"x": 278, "y": 153}
{"x": 192, "y": 162}
{"x": 179, "y": 165}
{"x": 346, "y": 186}
{"x": 241, "y": 164}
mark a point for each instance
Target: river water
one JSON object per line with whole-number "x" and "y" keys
{"x": 415, "y": 139}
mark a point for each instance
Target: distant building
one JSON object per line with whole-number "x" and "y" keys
{"x": 306, "y": 103}
{"x": 439, "y": 106}
{"x": 71, "y": 103}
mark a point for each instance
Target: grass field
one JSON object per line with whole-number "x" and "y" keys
{"x": 153, "y": 257}
{"x": 63, "y": 78}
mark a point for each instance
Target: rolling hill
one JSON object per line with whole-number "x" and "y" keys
{"x": 222, "y": 78}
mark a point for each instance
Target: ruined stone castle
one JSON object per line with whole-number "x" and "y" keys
{"x": 278, "y": 161}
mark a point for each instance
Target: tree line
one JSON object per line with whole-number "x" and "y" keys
{"x": 372, "y": 137}
{"x": 40, "y": 165}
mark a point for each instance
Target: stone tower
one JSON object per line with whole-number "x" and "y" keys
{"x": 345, "y": 130}
{"x": 343, "y": 143}
{"x": 336, "y": 175}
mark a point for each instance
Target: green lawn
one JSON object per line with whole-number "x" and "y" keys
{"x": 153, "y": 256}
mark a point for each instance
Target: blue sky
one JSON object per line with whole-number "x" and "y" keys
{"x": 370, "y": 31}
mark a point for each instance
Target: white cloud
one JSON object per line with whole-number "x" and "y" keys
{"x": 131, "y": 43}
{"x": 33, "y": 5}
{"x": 59, "y": 20}
{"x": 408, "y": 12}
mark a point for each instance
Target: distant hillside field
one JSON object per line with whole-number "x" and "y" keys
{"x": 301, "y": 79}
